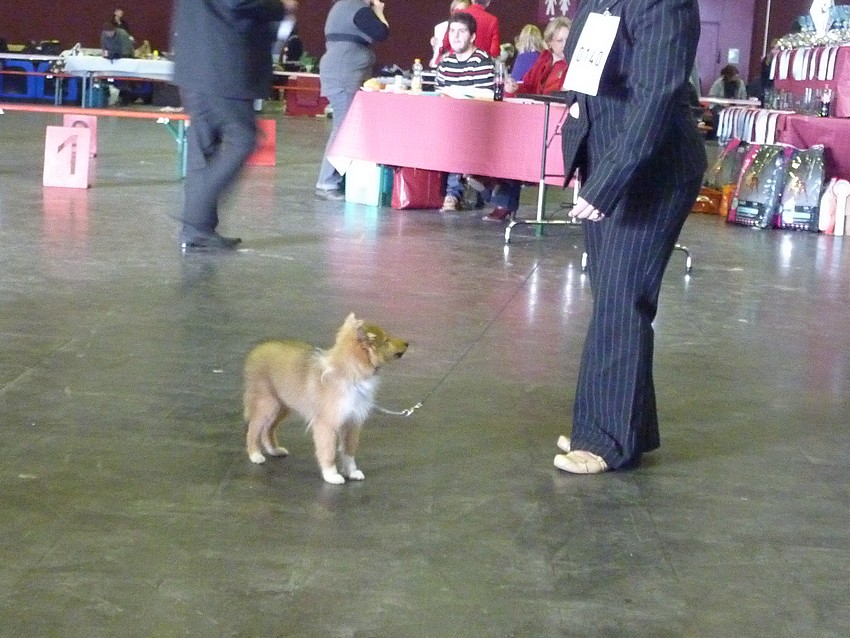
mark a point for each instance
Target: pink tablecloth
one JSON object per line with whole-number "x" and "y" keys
{"x": 499, "y": 139}
{"x": 803, "y": 131}
{"x": 840, "y": 84}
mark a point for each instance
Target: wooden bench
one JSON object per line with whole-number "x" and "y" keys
{"x": 174, "y": 122}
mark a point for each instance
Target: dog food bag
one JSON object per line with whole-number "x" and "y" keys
{"x": 727, "y": 167}
{"x": 799, "y": 207}
{"x": 756, "y": 201}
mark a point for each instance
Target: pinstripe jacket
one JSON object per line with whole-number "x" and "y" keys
{"x": 637, "y": 132}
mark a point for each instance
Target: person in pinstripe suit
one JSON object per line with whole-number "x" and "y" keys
{"x": 640, "y": 159}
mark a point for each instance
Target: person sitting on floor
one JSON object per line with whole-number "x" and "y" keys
{"x": 465, "y": 66}
{"x": 544, "y": 77}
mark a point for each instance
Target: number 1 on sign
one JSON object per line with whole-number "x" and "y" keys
{"x": 72, "y": 140}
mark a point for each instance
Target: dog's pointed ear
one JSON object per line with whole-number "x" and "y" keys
{"x": 356, "y": 325}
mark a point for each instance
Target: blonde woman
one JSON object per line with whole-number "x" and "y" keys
{"x": 547, "y": 73}
{"x": 529, "y": 44}
{"x": 544, "y": 77}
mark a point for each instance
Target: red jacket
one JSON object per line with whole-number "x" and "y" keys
{"x": 544, "y": 76}
{"x": 486, "y": 31}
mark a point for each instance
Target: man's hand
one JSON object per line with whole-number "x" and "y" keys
{"x": 583, "y": 209}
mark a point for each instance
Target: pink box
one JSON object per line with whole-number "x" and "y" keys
{"x": 264, "y": 152}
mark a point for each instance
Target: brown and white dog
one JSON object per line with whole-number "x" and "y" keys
{"x": 332, "y": 389}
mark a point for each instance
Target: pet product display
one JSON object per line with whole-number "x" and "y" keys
{"x": 802, "y": 190}
{"x": 826, "y": 214}
{"x": 727, "y": 167}
{"x": 841, "y": 188}
{"x": 760, "y": 185}
{"x": 708, "y": 201}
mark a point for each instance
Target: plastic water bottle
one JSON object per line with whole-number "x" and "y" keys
{"x": 416, "y": 80}
{"x": 826, "y": 103}
{"x": 499, "y": 81}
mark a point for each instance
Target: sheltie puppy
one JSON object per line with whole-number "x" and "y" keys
{"x": 333, "y": 390}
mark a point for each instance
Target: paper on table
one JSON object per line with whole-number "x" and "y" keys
{"x": 466, "y": 92}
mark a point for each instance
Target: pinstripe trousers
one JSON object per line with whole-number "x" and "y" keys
{"x": 614, "y": 414}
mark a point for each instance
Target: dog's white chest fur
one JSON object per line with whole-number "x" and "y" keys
{"x": 358, "y": 399}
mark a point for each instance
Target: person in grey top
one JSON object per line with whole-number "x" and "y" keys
{"x": 350, "y": 29}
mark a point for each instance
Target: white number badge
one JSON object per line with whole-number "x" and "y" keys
{"x": 591, "y": 53}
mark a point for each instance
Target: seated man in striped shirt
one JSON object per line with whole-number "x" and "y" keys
{"x": 465, "y": 66}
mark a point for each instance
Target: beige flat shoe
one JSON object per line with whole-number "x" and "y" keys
{"x": 563, "y": 443}
{"x": 581, "y": 462}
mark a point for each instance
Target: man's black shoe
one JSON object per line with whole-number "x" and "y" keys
{"x": 333, "y": 194}
{"x": 213, "y": 241}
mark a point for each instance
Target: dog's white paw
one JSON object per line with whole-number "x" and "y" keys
{"x": 348, "y": 468}
{"x": 277, "y": 451}
{"x": 257, "y": 457}
{"x": 333, "y": 477}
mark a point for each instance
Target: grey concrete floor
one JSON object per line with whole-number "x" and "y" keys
{"x": 129, "y": 508}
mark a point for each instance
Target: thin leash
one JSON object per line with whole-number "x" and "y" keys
{"x": 405, "y": 412}
{"x": 409, "y": 411}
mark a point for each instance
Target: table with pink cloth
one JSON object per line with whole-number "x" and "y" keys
{"x": 803, "y": 131}
{"x": 840, "y": 82}
{"x": 479, "y": 137}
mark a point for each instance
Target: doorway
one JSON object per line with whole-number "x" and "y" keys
{"x": 709, "y": 61}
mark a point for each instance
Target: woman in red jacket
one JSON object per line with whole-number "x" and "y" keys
{"x": 545, "y": 76}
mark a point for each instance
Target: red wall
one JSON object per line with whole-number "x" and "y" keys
{"x": 782, "y": 14}
{"x": 73, "y": 21}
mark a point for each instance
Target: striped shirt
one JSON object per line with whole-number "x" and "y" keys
{"x": 476, "y": 71}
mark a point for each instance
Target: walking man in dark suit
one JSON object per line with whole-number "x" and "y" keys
{"x": 223, "y": 63}
{"x": 631, "y": 137}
